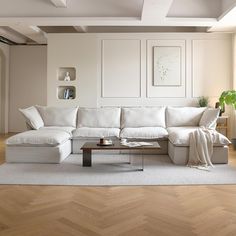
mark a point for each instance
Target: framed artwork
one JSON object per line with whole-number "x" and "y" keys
{"x": 166, "y": 66}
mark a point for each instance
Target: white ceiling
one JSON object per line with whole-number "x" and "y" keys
{"x": 197, "y": 8}
{"x": 75, "y": 8}
{"x": 31, "y": 20}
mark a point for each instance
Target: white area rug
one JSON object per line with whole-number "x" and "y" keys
{"x": 111, "y": 170}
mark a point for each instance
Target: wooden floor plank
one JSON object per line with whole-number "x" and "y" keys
{"x": 109, "y": 211}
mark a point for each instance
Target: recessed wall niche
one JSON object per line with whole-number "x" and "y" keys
{"x": 64, "y": 72}
{"x": 66, "y": 92}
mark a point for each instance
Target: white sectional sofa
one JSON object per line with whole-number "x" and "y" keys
{"x": 57, "y": 132}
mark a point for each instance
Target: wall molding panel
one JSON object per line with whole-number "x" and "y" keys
{"x": 207, "y": 55}
{"x": 121, "y": 68}
{"x": 165, "y": 91}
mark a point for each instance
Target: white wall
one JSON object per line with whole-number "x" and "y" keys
{"x": 116, "y": 69}
{"x": 233, "y": 111}
{"x": 28, "y": 79}
{"x": 4, "y": 86}
{"x": 80, "y": 52}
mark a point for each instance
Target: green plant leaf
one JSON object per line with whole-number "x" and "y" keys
{"x": 228, "y": 97}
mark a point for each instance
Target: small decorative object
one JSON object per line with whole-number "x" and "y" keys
{"x": 105, "y": 142}
{"x": 222, "y": 108}
{"x": 229, "y": 98}
{"x": 67, "y": 76}
{"x": 68, "y": 93}
{"x": 123, "y": 141}
{"x": 71, "y": 94}
{"x": 203, "y": 101}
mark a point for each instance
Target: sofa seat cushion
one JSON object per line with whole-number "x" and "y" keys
{"x": 179, "y": 136}
{"x": 144, "y": 132}
{"x": 39, "y": 137}
{"x": 67, "y": 129}
{"x": 86, "y": 132}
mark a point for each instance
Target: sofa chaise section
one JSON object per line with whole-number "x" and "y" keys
{"x": 183, "y": 121}
{"x": 39, "y": 146}
{"x": 48, "y": 141}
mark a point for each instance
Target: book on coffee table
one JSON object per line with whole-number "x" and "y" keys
{"x": 136, "y": 144}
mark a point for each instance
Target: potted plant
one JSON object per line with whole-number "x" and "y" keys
{"x": 229, "y": 98}
{"x": 203, "y": 101}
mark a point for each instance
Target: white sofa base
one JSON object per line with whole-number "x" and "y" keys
{"x": 23, "y": 154}
{"x": 179, "y": 155}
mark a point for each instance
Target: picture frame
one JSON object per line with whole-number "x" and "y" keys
{"x": 167, "y": 66}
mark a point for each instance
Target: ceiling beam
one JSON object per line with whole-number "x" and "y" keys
{"x": 155, "y": 8}
{"x": 226, "y": 22}
{"x": 81, "y": 29}
{"x": 107, "y": 21}
{"x": 59, "y": 3}
{"x": 32, "y": 32}
{"x": 11, "y": 35}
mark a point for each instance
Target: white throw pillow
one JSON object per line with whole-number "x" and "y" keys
{"x": 32, "y": 117}
{"x": 134, "y": 117}
{"x": 209, "y": 118}
{"x": 99, "y": 117}
{"x": 58, "y": 116}
{"x": 183, "y": 116}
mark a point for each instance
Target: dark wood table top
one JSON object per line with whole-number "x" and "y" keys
{"x": 117, "y": 146}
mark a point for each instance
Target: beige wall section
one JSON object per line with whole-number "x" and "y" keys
{"x": 102, "y": 83}
{"x": 233, "y": 113}
{"x": 28, "y": 81}
{"x": 80, "y": 52}
{"x": 4, "y": 86}
{"x": 218, "y": 56}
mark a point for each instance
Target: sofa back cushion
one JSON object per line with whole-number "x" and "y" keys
{"x": 143, "y": 117}
{"x": 183, "y": 116}
{"x": 58, "y": 116}
{"x": 99, "y": 117}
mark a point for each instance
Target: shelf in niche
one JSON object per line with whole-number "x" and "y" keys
{"x": 61, "y": 73}
{"x": 66, "y": 92}
{"x": 67, "y": 83}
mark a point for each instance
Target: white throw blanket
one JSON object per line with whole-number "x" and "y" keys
{"x": 201, "y": 148}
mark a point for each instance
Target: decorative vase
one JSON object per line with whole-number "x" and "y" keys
{"x": 222, "y": 109}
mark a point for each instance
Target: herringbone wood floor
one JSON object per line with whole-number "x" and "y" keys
{"x": 127, "y": 211}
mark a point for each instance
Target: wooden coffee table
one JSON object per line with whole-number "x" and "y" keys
{"x": 88, "y": 147}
